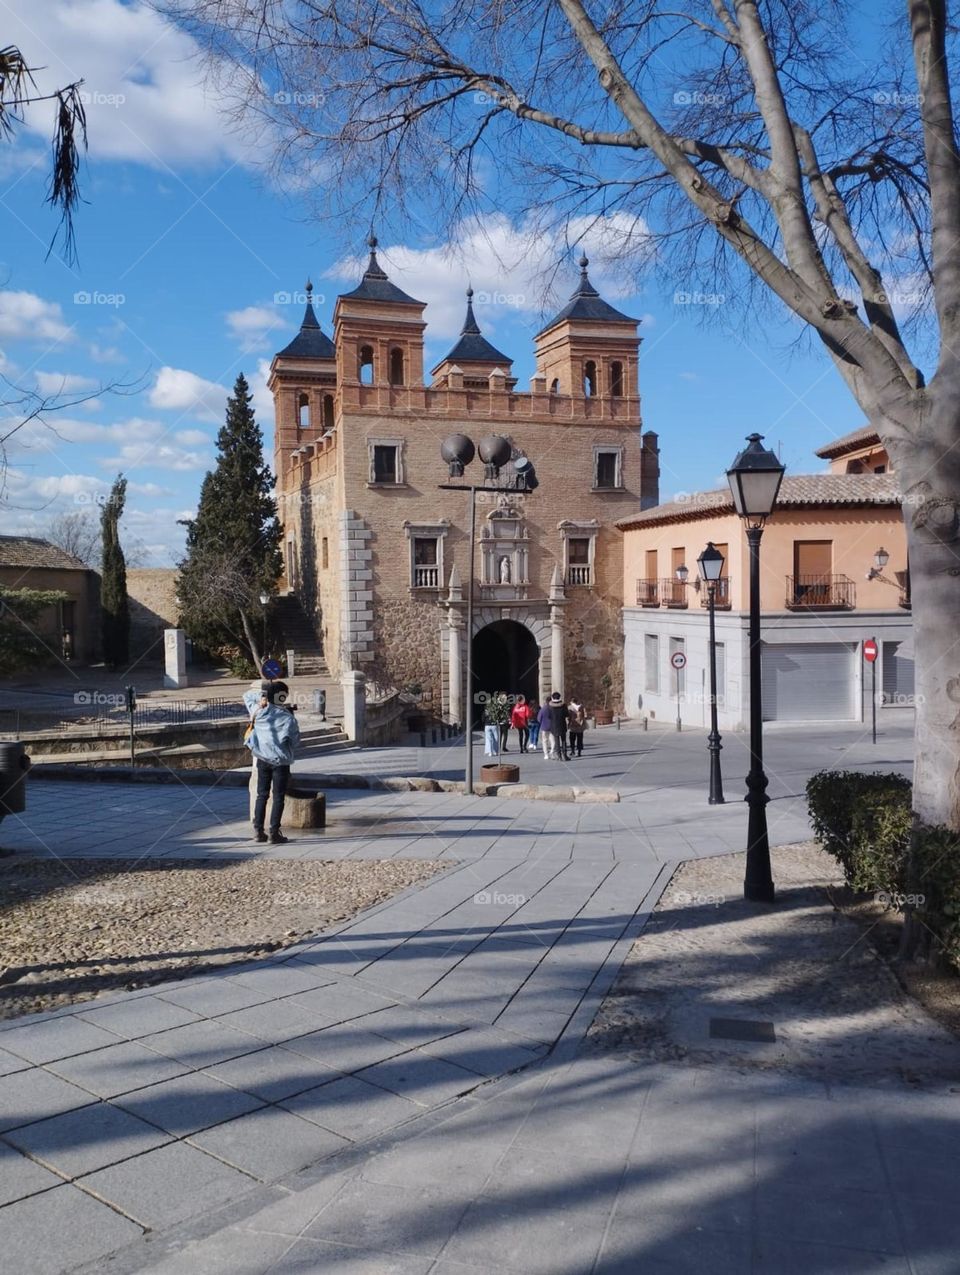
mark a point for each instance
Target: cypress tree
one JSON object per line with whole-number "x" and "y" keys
{"x": 114, "y": 608}
{"x": 233, "y": 544}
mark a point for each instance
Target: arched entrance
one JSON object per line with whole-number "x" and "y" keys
{"x": 506, "y": 657}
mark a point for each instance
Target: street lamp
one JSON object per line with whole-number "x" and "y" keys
{"x": 755, "y": 477}
{"x": 264, "y": 599}
{"x": 710, "y": 567}
{"x": 495, "y": 452}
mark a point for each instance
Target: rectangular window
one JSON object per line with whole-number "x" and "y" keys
{"x": 579, "y": 560}
{"x": 426, "y": 562}
{"x": 607, "y": 468}
{"x": 812, "y": 565}
{"x": 384, "y": 463}
{"x": 651, "y": 564}
{"x": 651, "y": 662}
{"x": 324, "y": 553}
{"x": 579, "y": 549}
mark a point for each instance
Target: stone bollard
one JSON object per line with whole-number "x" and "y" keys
{"x": 302, "y": 808}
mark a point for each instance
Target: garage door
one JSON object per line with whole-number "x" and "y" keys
{"x": 809, "y": 682}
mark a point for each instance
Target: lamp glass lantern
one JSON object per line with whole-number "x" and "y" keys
{"x": 881, "y": 558}
{"x": 683, "y": 573}
{"x": 755, "y": 477}
{"x": 710, "y": 563}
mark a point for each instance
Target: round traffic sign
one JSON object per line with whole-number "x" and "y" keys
{"x": 870, "y": 650}
{"x": 678, "y": 660}
{"x": 271, "y": 669}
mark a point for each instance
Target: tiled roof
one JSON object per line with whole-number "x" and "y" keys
{"x": 375, "y": 286}
{"x": 310, "y": 342}
{"x": 796, "y": 491}
{"x": 26, "y": 552}
{"x": 473, "y": 346}
{"x": 861, "y": 437}
{"x": 587, "y": 303}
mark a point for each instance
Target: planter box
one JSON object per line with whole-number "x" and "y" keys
{"x": 504, "y": 774}
{"x": 603, "y": 716}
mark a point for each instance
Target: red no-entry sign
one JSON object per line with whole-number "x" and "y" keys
{"x": 870, "y": 650}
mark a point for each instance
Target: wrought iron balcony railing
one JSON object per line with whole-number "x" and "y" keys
{"x": 825, "y": 592}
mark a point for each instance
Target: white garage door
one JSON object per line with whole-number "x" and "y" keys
{"x": 809, "y": 682}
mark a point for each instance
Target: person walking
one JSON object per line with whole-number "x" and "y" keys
{"x": 576, "y": 725}
{"x": 272, "y": 737}
{"x": 534, "y": 708}
{"x": 520, "y": 721}
{"x": 558, "y": 726}
{"x": 547, "y": 738}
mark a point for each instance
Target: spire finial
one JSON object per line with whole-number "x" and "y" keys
{"x": 584, "y": 262}
{"x": 309, "y": 290}
{"x": 469, "y": 292}
{"x": 469, "y": 323}
{"x": 374, "y": 269}
{"x": 372, "y": 241}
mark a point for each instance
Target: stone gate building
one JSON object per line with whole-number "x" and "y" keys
{"x": 378, "y": 554}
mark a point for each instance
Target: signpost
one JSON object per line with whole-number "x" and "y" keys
{"x": 271, "y": 670}
{"x": 870, "y": 652}
{"x": 679, "y": 662}
{"x": 130, "y": 692}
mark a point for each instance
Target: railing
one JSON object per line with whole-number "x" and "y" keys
{"x": 837, "y": 593}
{"x": 579, "y": 573}
{"x": 903, "y": 580}
{"x": 721, "y": 594}
{"x": 426, "y": 577}
{"x": 673, "y": 593}
{"x": 648, "y": 593}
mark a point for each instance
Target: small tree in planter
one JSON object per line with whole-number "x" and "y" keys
{"x": 604, "y": 715}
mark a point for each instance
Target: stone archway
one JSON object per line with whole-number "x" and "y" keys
{"x": 506, "y": 657}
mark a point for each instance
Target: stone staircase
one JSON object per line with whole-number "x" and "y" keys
{"x": 316, "y": 741}
{"x": 297, "y": 633}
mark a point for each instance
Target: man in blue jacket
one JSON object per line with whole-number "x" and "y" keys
{"x": 273, "y": 741}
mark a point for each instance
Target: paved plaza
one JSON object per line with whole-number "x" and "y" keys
{"x": 408, "y": 1092}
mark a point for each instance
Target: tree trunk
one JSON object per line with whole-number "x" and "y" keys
{"x": 251, "y": 640}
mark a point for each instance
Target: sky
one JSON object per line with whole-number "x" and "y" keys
{"x": 192, "y": 266}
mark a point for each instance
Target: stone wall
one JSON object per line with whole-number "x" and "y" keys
{"x": 152, "y": 592}
{"x": 593, "y": 645}
{"x": 406, "y": 649}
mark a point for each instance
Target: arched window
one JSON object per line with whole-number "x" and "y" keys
{"x": 555, "y": 385}
{"x": 590, "y": 378}
{"x": 303, "y": 411}
{"x": 366, "y": 365}
{"x": 396, "y": 367}
{"x": 327, "y": 411}
{"x": 616, "y": 380}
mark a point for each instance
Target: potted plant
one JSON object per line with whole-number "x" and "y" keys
{"x": 604, "y": 716}
{"x": 496, "y": 713}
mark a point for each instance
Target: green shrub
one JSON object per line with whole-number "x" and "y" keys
{"x": 864, "y": 821}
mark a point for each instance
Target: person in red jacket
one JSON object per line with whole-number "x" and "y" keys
{"x": 520, "y": 720}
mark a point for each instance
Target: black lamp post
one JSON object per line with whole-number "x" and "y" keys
{"x": 495, "y": 452}
{"x": 264, "y": 602}
{"x": 710, "y": 566}
{"x": 755, "y": 477}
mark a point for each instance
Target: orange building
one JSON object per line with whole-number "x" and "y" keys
{"x": 378, "y": 554}
{"x": 822, "y": 594}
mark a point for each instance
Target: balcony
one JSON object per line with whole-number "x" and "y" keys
{"x": 648, "y": 593}
{"x": 822, "y": 593}
{"x": 580, "y": 573}
{"x": 673, "y": 593}
{"x": 426, "y": 577}
{"x": 721, "y": 594}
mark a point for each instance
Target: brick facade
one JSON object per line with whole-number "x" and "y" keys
{"x": 380, "y": 555}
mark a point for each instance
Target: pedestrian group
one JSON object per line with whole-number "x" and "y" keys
{"x": 556, "y": 727}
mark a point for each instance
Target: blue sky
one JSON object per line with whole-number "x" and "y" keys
{"x": 188, "y": 257}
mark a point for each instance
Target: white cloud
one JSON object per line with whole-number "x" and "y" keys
{"x": 105, "y": 354}
{"x": 57, "y": 429}
{"x": 252, "y": 325}
{"x": 26, "y": 317}
{"x": 50, "y": 384}
{"x": 262, "y": 398}
{"x": 145, "y": 98}
{"x": 148, "y": 455}
{"x": 192, "y": 438}
{"x": 512, "y": 268}
{"x": 180, "y": 391}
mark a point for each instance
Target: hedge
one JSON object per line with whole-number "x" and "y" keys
{"x": 867, "y": 824}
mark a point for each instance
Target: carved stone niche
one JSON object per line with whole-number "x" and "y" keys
{"x": 505, "y": 551}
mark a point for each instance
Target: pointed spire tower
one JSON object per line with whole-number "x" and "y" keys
{"x": 378, "y": 331}
{"x": 590, "y": 349}
{"x": 303, "y": 381}
{"x": 473, "y": 356}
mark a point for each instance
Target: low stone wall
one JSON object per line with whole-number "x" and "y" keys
{"x": 385, "y": 721}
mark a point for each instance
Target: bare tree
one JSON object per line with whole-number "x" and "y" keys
{"x": 744, "y": 133}
{"x": 78, "y": 534}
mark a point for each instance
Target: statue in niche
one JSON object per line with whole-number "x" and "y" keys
{"x": 504, "y": 570}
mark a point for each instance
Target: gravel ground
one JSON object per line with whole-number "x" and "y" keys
{"x": 802, "y": 969}
{"x": 71, "y": 930}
